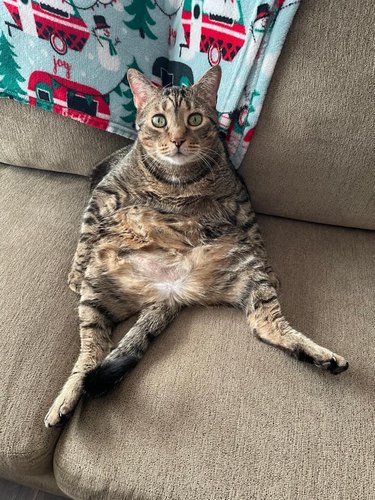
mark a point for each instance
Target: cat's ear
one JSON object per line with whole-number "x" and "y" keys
{"x": 208, "y": 86}
{"x": 143, "y": 90}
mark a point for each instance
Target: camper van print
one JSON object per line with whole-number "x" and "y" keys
{"x": 214, "y": 27}
{"x": 68, "y": 98}
{"x": 57, "y": 21}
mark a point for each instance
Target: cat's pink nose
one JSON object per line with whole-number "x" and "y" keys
{"x": 178, "y": 142}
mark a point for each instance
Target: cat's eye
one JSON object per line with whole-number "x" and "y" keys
{"x": 195, "y": 119}
{"x": 159, "y": 121}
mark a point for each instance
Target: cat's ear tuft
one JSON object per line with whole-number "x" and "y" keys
{"x": 143, "y": 89}
{"x": 208, "y": 86}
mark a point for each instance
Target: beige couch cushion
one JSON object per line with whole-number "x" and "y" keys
{"x": 33, "y": 137}
{"x": 210, "y": 413}
{"x": 312, "y": 155}
{"x": 40, "y": 215}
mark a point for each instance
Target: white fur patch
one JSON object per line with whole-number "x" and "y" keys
{"x": 170, "y": 289}
{"x": 167, "y": 276}
{"x": 178, "y": 159}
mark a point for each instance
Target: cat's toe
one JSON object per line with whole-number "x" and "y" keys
{"x": 54, "y": 419}
{"x": 335, "y": 364}
{"x": 75, "y": 281}
{"x": 65, "y": 412}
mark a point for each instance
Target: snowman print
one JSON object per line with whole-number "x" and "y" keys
{"x": 262, "y": 17}
{"x": 106, "y": 48}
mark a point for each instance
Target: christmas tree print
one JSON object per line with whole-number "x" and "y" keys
{"x": 142, "y": 18}
{"x": 9, "y": 74}
{"x": 130, "y": 117}
{"x": 254, "y": 94}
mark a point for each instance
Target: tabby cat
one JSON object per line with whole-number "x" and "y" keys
{"x": 170, "y": 225}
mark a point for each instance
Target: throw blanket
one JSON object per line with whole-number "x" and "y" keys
{"x": 71, "y": 56}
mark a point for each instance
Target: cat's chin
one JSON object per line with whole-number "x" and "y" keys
{"x": 178, "y": 159}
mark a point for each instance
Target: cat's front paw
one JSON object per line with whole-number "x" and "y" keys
{"x": 75, "y": 280}
{"x": 60, "y": 411}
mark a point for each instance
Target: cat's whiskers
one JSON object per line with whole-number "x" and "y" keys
{"x": 150, "y": 161}
{"x": 209, "y": 159}
{"x": 202, "y": 158}
{"x": 214, "y": 151}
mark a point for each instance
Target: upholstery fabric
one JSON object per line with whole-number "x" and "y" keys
{"x": 40, "y": 216}
{"x": 33, "y": 137}
{"x": 210, "y": 413}
{"x": 313, "y": 152}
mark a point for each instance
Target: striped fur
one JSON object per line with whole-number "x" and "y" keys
{"x": 169, "y": 224}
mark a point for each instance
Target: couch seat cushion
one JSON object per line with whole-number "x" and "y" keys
{"x": 40, "y": 215}
{"x": 211, "y": 413}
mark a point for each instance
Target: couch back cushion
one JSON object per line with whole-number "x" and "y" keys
{"x": 312, "y": 154}
{"x": 35, "y": 138}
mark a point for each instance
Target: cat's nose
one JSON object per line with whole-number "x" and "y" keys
{"x": 178, "y": 142}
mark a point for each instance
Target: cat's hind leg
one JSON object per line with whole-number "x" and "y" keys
{"x": 152, "y": 320}
{"x": 96, "y": 323}
{"x": 268, "y": 324}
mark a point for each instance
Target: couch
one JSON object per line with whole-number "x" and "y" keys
{"x": 234, "y": 418}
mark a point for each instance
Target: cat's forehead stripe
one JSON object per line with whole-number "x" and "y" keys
{"x": 174, "y": 104}
{"x": 175, "y": 94}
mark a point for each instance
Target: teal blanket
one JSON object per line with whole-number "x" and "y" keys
{"x": 71, "y": 56}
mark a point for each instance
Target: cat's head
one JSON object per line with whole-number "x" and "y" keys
{"x": 176, "y": 125}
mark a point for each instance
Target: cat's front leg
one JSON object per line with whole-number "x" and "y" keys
{"x": 95, "y": 330}
{"x": 103, "y": 202}
{"x": 87, "y": 238}
{"x": 152, "y": 321}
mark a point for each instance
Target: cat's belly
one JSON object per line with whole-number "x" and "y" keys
{"x": 166, "y": 273}
{"x": 193, "y": 277}
{"x": 152, "y": 257}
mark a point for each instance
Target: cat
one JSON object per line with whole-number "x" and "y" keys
{"x": 169, "y": 225}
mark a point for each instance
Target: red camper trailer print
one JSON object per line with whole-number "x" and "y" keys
{"x": 68, "y": 98}
{"x": 55, "y": 20}
{"x": 214, "y": 27}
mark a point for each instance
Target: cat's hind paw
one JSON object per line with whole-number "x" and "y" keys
{"x": 326, "y": 360}
{"x": 337, "y": 364}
